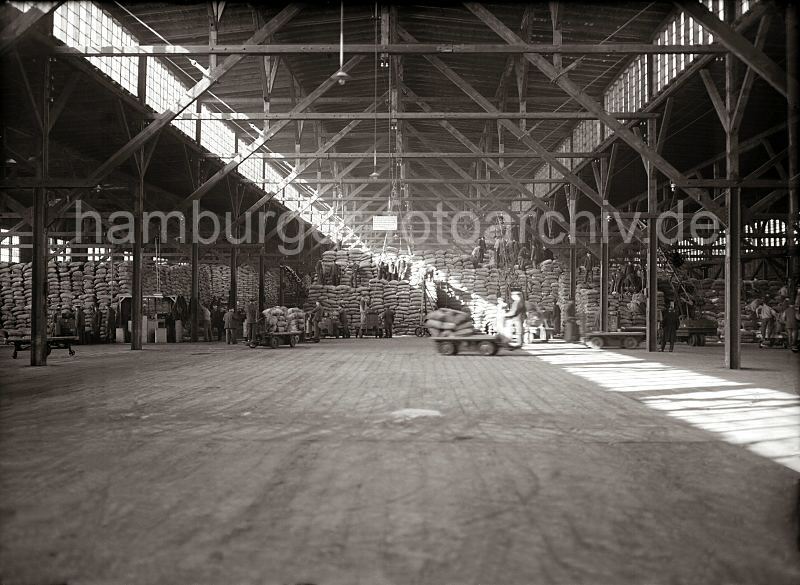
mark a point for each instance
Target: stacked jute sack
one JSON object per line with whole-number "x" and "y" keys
{"x": 15, "y": 311}
{"x": 285, "y": 319}
{"x": 86, "y": 285}
{"x": 447, "y": 322}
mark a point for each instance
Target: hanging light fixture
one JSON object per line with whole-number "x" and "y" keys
{"x": 341, "y": 76}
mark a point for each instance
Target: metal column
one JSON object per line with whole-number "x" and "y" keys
{"x": 733, "y": 263}
{"x": 603, "y": 248}
{"x": 573, "y": 269}
{"x": 40, "y": 248}
{"x": 652, "y": 244}
{"x": 792, "y": 120}
{"x": 280, "y": 285}
{"x": 195, "y": 301}
{"x": 138, "y": 246}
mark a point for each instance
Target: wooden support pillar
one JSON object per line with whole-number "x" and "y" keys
{"x": 281, "y": 285}
{"x": 652, "y": 244}
{"x": 792, "y": 119}
{"x": 40, "y": 247}
{"x": 603, "y": 187}
{"x": 573, "y": 270}
{"x": 195, "y": 301}
{"x": 138, "y": 247}
{"x": 733, "y": 263}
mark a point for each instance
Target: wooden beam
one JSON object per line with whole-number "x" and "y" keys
{"x": 733, "y": 235}
{"x": 511, "y": 127}
{"x": 12, "y": 32}
{"x": 739, "y": 46}
{"x": 535, "y": 201}
{"x": 750, "y": 75}
{"x": 253, "y": 48}
{"x": 362, "y": 156}
{"x": 264, "y": 137}
{"x": 395, "y": 115}
{"x": 302, "y": 166}
{"x": 590, "y": 104}
{"x": 716, "y": 100}
{"x": 191, "y": 96}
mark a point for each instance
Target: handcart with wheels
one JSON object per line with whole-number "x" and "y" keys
{"x": 276, "y": 339}
{"x": 622, "y": 339}
{"x": 483, "y": 344}
{"x": 61, "y": 342}
{"x": 267, "y": 336}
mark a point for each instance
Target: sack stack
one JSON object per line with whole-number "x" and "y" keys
{"x": 295, "y": 318}
{"x": 447, "y": 322}
{"x": 281, "y": 319}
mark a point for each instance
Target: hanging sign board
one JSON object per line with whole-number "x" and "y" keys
{"x": 384, "y": 223}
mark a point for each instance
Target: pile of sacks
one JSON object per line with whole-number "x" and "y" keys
{"x": 284, "y": 319}
{"x": 447, "y": 322}
{"x": 16, "y": 307}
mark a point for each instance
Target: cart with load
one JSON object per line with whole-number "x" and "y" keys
{"x": 483, "y": 344}
{"x": 275, "y": 339}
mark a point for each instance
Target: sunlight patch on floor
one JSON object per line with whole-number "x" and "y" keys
{"x": 763, "y": 420}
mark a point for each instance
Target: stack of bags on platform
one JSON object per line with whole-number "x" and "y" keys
{"x": 87, "y": 295}
{"x": 102, "y": 284}
{"x": 277, "y": 319}
{"x": 53, "y": 286}
{"x": 550, "y": 273}
{"x": 177, "y": 280}
{"x": 218, "y": 280}
{"x": 64, "y": 287}
{"x": 587, "y": 303}
{"x": 125, "y": 278}
{"x": 406, "y": 312}
{"x": 246, "y": 284}
{"x": 295, "y": 318}
{"x": 447, "y": 322}
{"x": 21, "y": 282}
{"x": 376, "y": 290}
{"x": 6, "y": 297}
{"x": 271, "y": 284}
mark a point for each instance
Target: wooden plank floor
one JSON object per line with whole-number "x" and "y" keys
{"x": 207, "y": 464}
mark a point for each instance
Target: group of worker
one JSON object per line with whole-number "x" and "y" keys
{"x": 508, "y": 252}
{"x": 519, "y": 320}
{"x": 215, "y": 320}
{"x": 340, "y": 320}
{"x": 774, "y": 323}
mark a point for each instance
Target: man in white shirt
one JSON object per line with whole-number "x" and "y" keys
{"x": 767, "y": 316}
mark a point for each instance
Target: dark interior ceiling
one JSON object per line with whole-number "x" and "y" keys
{"x": 90, "y": 126}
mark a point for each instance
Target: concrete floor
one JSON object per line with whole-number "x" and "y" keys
{"x": 208, "y": 464}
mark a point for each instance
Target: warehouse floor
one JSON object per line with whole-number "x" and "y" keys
{"x": 378, "y": 461}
